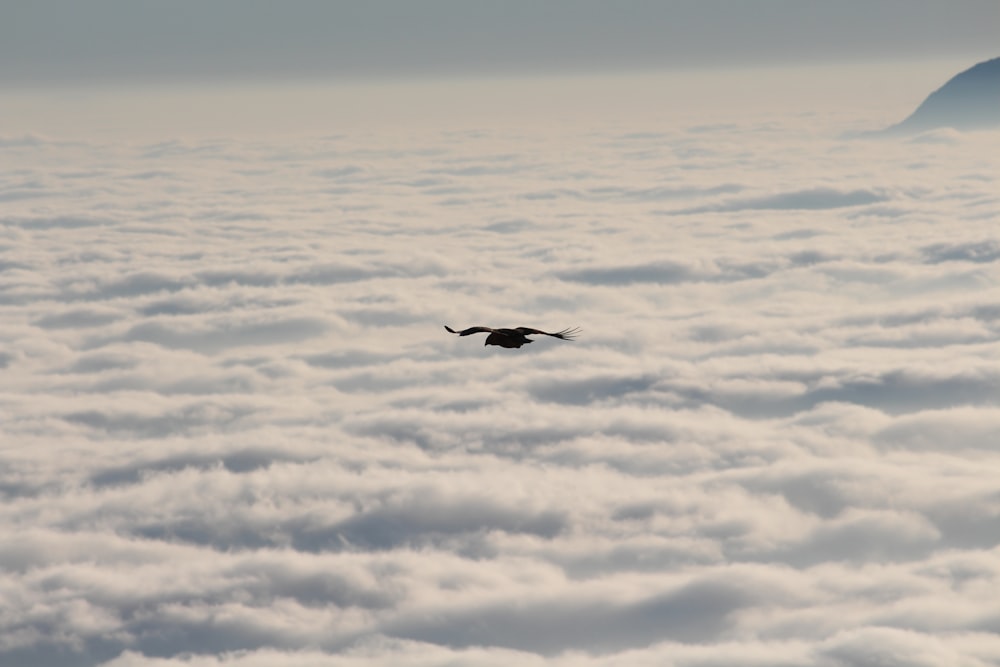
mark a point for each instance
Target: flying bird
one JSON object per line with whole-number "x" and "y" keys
{"x": 515, "y": 337}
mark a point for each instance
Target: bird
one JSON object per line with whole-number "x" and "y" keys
{"x": 516, "y": 337}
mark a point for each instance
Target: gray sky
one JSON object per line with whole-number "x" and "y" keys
{"x": 66, "y": 40}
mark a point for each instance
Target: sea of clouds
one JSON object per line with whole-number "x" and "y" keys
{"x": 234, "y": 431}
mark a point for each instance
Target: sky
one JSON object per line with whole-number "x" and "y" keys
{"x": 234, "y": 431}
{"x": 62, "y": 41}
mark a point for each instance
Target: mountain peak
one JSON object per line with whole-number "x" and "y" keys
{"x": 969, "y": 100}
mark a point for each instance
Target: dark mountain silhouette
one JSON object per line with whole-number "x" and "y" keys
{"x": 969, "y": 100}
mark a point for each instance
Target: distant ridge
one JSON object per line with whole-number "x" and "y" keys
{"x": 969, "y": 100}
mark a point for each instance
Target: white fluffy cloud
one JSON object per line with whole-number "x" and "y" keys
{"x": 235, "y": 432}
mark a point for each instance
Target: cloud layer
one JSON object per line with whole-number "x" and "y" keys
{"x": 235, "y": 432}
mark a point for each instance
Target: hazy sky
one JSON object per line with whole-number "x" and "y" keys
{"x": 66, "y": 40}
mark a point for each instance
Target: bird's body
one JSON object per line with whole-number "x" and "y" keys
{"x": 513, "y": 338}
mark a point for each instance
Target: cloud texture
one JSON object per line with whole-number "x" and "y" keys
{"x": 234, "y": 431}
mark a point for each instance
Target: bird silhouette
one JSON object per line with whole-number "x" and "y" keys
{"x": 516, "y": 337}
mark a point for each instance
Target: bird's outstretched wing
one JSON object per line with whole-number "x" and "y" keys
{"x": 470, "y": 330}
{"x": 565, "y": 334}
